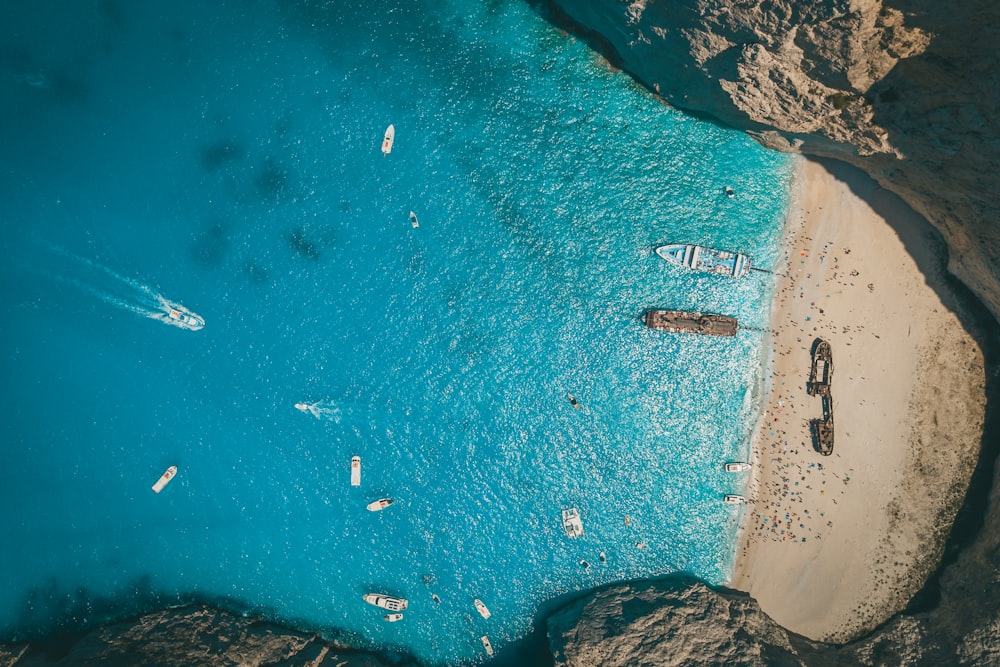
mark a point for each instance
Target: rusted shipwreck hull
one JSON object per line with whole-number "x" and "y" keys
{"x": 681, "y": 321}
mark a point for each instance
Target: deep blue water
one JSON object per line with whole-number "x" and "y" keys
{"x": 227, "y": 158}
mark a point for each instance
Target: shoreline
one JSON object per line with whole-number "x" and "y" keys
{"x": 831, "y": 546}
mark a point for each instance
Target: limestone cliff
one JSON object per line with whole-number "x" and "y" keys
{"x": 185, "y": 636}
{"x": 908, "y": 92}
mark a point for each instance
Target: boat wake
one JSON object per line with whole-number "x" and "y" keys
{"x": 129, "y": 294}
{"x": 339, "y": 412}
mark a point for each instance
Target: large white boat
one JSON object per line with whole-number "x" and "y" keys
{"x": 571, "y": 522}
{"x": 179, "y": 316}
{"x": 165, "y": 479}
{"x": 390, "y": 136}
{"x": 481, "y": 608}
{"x": 386, "y": 601}
{"x": 380, "y": 504}
{"x": 733, "y": 499}
{"x": 708, "y": 260}
{"x": 738, "y": 466}
{"x": 355, "y": 471}
{"x": 487, "y": 645}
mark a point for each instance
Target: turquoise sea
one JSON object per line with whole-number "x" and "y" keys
{"x": 225, "y": 155}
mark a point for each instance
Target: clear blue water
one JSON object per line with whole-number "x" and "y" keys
{"x": 227, "y": 157}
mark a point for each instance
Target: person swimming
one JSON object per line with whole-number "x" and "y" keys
{"x": 435, "y": 598}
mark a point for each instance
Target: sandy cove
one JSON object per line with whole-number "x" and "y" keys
{"x": 831, "y": 546}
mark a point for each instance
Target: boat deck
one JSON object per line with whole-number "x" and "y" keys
{"x": 679, "y": 321}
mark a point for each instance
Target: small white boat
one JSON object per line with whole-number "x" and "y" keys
{"x": 481, "y": 608}
{"x": 737, "y": 467}
{"x": 390, "y": 136}
{"x": 179, "y": 316}
{"x": 355, "y": 471}
{"x": 413, "y": 220}
{"x": 487, "y": 645}
{"x": 392, "y": 618}
{"x": 571, "y": 522}
{"x": 733, "y": 499}
{"x": 165, "y": 479}
{"x": 385, "y": 601}
{"x": 380, "y": 504}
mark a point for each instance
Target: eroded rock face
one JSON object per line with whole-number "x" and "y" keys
{"x": 908, "y": 92}
{"x": 196, "y": 635}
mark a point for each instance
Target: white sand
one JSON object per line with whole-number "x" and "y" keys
{"x": 834, "y": 545}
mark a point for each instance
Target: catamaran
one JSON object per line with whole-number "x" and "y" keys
{"x": 165, "y": 479}
{"x": 708, "y": 260}
{"x": 385, "y": 601}
{"x": 571, "y": 522}
{"x": 390, "y": 136}
{"x": 481, "y": 608}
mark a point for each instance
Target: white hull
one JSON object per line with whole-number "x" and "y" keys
{"x": 734, "y": 499}
{"x": 737, "y": 467}
{"x": 413, "y": 220}
{"x": 386, "y": 602}
{"x": 387, "y": 141}
{"x": 487, "y": 645}
{"x": 392, "y": 618}
{"x": 481, "y": 608}
{"x": 571, "y": 523}
{"x": 165, "y": 479}
{"x": 356, "y": 471}
{"x": 379, "y": 505}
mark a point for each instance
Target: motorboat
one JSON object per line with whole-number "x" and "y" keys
{"x": 413, "y": 220}
{"x": 392, "y": 618}
{"x": 390, "y": 136}
{"x": 571, "y": 522}
{"x": 733, "y": 499}
{"x": 481, "y": 608}
{"x": 355, "y": 471}
{"x": 737, "y": 467}
{"x": 179, "y": 316}
{"x": 386, "y": 601}
{"x": 165, "y": 479}
{"x": 487, "y": 645}
{"x": 707, "y": 260}
{"x": 379, "y": 505}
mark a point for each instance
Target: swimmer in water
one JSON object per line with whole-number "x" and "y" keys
{"x": 604, "y": 559}
{"x": 628, "y": 520}
{"x": 435, "y": 598}
{"x": 572, "y": 401}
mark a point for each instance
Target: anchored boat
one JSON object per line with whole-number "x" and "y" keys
{"x": 571, "y": 522}
{"x": 681, "y": 321}
{"x": 392, "y": 618}
{"x": 737, "y": 467}
{"x": 385, "y": 601}
{"x": 413, "y": 220}
{"x": 708, "y": 260}
{"x": 390, "y": 136}
{"x": 481, "y": 608}
{"x": 487, "y": 645}
{"x": 380, "y": 504}
{"x": 733, "y": 499}
{"x": 355, "y": 471}
{"x": 165, "y": 479}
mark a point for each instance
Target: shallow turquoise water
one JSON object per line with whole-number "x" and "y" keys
{"x": 228, "y": 158}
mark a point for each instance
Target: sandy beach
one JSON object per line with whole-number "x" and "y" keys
{"x": 833, "y": 545}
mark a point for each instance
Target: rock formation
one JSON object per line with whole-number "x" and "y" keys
{"x": 185, "y": 636}
{"x": 908, "y": 93}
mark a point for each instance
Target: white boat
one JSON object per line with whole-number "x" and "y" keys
{"x": 380, "y": 504}
{"x": 708, "y": 260}
{"x": 165, "y": 479}
{"x": 487, "y": 645}
{"x": 481, "y": 608}
{"x": 733, "y": 499}
{"x": 571, "y": 522}
{"x": 355, "y": 471}
{"x": 737, "y": 467}
{"x": 390, "y": 136}
{"x": 179, "y": 316}
{"x": 392, "y": 618}
{"x": 413, "y": 220}
{"x": 385, "y": 601}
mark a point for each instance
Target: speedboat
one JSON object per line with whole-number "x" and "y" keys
{"x": 392, "y": 618}
{"x": 165, "y": 479}
{"x": 380, "y": 504}
{"x": 708, "y": 260}
{"x": 737, "y": 467}
{"x": 413, "y": 220}
{"x": 571, "y": 522}
{"x": 481, "y": 608}
{"x": 733, "y": 499}
{"x": 487, "y": 645}
{"x": 390, "y": 136}
{"x": 355, "y": 471}
{"x": 179, "y": 316}
{"x": 385, "y": 601}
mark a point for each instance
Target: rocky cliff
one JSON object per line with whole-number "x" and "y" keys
{"x": 907, "y": 91}
{"x": 185, "y": 636}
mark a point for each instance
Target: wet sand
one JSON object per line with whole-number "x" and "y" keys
{"x": 833, "y": 545}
